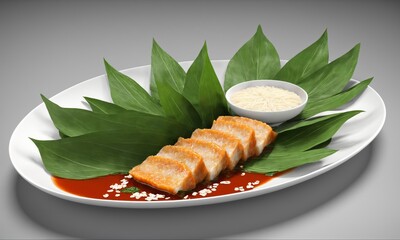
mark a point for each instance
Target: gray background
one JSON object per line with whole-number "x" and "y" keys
{"x": 48, "y": 46}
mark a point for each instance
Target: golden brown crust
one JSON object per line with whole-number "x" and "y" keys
{"x": 165, "y": 174}
{"x": 245, "y": 133}
{"x": 214, "y": 157}
{"x": 228, "y": 142}
{"x": 263, "y": 132}
{"x": 193, "y": 160}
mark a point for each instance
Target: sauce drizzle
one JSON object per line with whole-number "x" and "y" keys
{"x": 110, "y": 187}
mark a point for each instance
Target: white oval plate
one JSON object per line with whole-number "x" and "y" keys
{"x": 354, "y": 135}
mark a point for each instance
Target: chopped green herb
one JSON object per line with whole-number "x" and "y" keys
{"x": 130, "y": 190}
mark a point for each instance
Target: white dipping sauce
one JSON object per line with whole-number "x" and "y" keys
{"x": 265, "y": 99}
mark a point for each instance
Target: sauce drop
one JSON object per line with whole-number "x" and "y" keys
{"x": 106, "y": 187}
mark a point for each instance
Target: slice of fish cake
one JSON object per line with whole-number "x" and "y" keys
{"x": 243, "y": 132}
{"x": 263, "y": 132}
{"x": 213, "y": 156}
{"x": 164, "y": 174}
{"x": 187, "y": 156}
{"x": 228, "y": 142}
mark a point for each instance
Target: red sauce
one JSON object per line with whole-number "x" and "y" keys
{"x": 99, "y": 188}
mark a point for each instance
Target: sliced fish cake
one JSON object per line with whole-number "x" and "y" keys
{"x": 214, "y": 157}
{"x": 187, "y": 156}
{"x": 165, "y": 174}
{"x": 263, "y": 132}
{"x": 228, "y": 142}
{"x": 243, "y": 132}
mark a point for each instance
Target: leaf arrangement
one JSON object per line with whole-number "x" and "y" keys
{"x": 114, "y": 137}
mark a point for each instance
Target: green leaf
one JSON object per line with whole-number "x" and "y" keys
{"x": 256, "y": 59}
{"x": 165, "y": 68}
{"x": 322, "y": 145}
{"x": 62, "y": 135}
{"x": 277, "y": 162}
{"x": 176, "y": 106}
{"x": 100, "y": 153}
{"x": 128, "y": 94}
{"x": 308, "y": 136}
{"x": 193, "y": 78}
{"x": 288, "y": 126}
{"x": 203, "y": 89}
{"x": 100, "y": 106}
{"x": 332, "y": 78}
{"x": 306, "y": 62}
{"x": 74, "y": 122}
{"x": 320, "y": 105}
